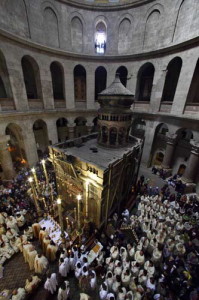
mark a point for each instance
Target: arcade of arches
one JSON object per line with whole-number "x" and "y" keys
{"x": 51, "y": 75}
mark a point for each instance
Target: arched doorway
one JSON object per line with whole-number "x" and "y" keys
{"x": 57, "y": 75}
{"x": 145, "y": 82}
{"x": 41, "y": 137}
{"x": 80, "y": 83}
{"x": 171, "y": 81}
{"x": 16, "y": 146}
{"x": 100, "y": 80}
{"x": 123, "y": 73}
{"x": 62, "y": 130}
{"x": 32, "y": 82}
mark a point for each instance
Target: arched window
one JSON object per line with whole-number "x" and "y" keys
{"x": 100, "y": 80}
{"x": 51, "y": 27}
{"x": 123, "y": 73}
{"x": 15, "y": 12}
{"x": 31, "y": 78}
{"x": 57, "y": 81}
{"x": 77, "y": 34}
{"x": 124, "y": 39}
{"x": 80, "y": 83}
{"x": 145, "y": 82}
{"x": 100, "y": 38}
{"x": 193, "y": 95}
{"x": 171, "y": 81}
{"x": 185, "y": 21}
{"x": 152, "y": 28}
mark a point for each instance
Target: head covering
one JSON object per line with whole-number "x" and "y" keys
{"x": 156, "y": 296}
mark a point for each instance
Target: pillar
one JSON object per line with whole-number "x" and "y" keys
{"x": 170, "y": 147}
{"x": 52, "y": 131}
{"x": 192, "y": 165}
{"x": 5, "y": 158}
{"x": 18, "y": 86}
{"x": 47, "y": 90}
{"x": 69, "y": 86}
{"x": 90, "y": 88}
{"x": 30, "y": 147}
{"x": 71, "y": 132}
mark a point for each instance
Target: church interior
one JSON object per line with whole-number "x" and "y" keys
{"x": 99, "y": 149}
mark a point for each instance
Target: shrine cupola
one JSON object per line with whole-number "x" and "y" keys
{"x": 114, "y": 115}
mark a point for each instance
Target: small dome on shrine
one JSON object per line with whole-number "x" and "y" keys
{"x": 116, "y": 95}
{"x": 116, "y": 88}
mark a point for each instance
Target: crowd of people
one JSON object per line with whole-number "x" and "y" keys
{"x": 149, "y": 253}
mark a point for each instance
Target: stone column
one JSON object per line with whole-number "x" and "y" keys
{"x": 89, "y": 128}
{"x": 193, "y": 164}
{"x": 18, "y": 86}
{"x": 46, "y": 86}
{"x": 69, "y": 86}
{"x": 171, "y": 141}
{"x": 90, "y": 88}
{"x": 71, "y": 131}
{"x": 52, "y": 131}
{"x": 30, "y": 147}
{"x": 5, "y": 158}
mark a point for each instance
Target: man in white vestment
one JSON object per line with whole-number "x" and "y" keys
{"x": 19, "y": 294}
{"x": 31, "y": 257}
{"x": 40, "y": 264}
{"x": 63, "y": 291}
{"x": 32, "y": 283}
{"x": 49, "y": 285}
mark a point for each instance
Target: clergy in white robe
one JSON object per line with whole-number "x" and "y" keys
{"x": 63, "y": 292}
{"x": 36, "y": 229}
{"x": 12, "y": 223}
{"x": 63, "y": 270}
{"x": 49, "y": 286}
{"x": 40, "y": 264}
{"x": 31, "y": 257}
{"x": 54, "y": 280}
{"x": 110, "y": 296}
{"x": 32, "y": 283}
{"x": 103, "y": 291}
{"x": 109, "y": 280}
{"x": 19, "y": 294}
{"x": 93, "y": 280}
{"x": 139, "y": 257}
{"x": 51, "y": 251}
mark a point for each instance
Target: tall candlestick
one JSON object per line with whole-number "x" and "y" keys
{"x": 30, "y": 179}
{"x": 75, "y": 214}
{"x": 35, "y": 178}
{"x": 86, "y": 202}
{"x": 45, "y": 172}
{"x": 60, "y": 217}
{"x": 79, "y": 197}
